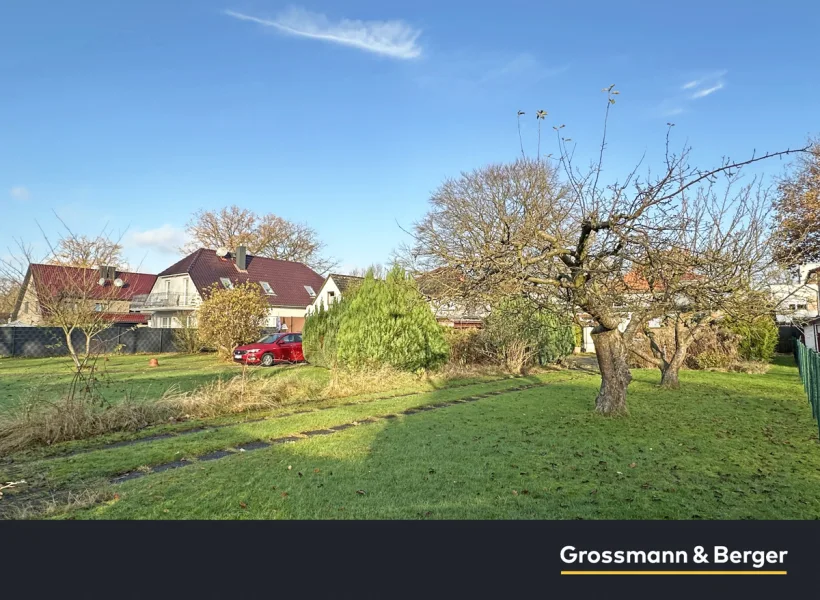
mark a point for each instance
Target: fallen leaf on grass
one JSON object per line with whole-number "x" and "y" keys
{"x": 243, "y": 505}
{"x": 633, "y": 465}
{"x": 361, "y": 492}
{"x": 316, "y": 471}
{"x": 515, "y": 493}
{"x": 284, "y": 494}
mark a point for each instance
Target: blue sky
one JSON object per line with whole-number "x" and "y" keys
{"x": 347, "y": 115}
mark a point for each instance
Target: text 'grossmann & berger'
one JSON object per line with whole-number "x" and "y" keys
{"x": 720, "y": 555}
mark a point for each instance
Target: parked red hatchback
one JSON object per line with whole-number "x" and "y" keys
{"x": 271, "y": 349}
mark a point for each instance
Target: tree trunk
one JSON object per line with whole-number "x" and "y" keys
{"x": 71, "y": 349}
{"x": 669, "y": 376}
{"x": 615, "y": 376}
{"x": 670, "y": 369}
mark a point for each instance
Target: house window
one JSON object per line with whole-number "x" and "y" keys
{"x": 25, "y": 307}
{"x": 165, "y": 322}
{"x": 798, "y": 306}
{"x": 268, "y": 289}
{"x": 98, "y": 307}
{"x": 226, "y": 283}
{"x": 331, "y": 294}
{"x": 310, "y": 291}
{"x": 191, "y": 320}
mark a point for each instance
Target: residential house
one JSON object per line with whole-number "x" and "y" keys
{"x": 332, "y": 289}
{"x": 442, "y": 288}
{"x": 797, "y": 313}
{"x": 105, "y": 289}
{"x": 290, "y": 287}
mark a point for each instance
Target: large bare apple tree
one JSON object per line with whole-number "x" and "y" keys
{"x": 543, "y": 227}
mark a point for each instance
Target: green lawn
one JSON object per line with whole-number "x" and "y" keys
{"x": 726, "y": 446}
{"x": 120, "y": 376}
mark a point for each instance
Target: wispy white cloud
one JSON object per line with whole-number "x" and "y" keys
{"x": 395, "y": 39}
{"x": 706, "y": 91}
{"x": 693, "y": 89}
{"x": 20, "y": 192}
{"x": 166, "y": 239}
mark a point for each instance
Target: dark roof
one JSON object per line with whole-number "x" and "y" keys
{"x": 343, "y": 282}
{"x": 287, "y": 279}
{"x": 54, "y": 279}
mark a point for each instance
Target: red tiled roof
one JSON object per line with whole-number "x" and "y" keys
{"x": 140, "y": 318}
{"x": 55, "y": 279}
{"x": 287, "y": 279}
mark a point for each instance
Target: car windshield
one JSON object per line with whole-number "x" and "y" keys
{"x": 269, "y": 339}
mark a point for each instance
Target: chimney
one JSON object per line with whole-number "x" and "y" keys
{"x": 241, "y": 258}
{"x": 107, "y": 273}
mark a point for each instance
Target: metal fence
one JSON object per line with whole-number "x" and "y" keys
{"x": 808, "y": 363}
{"x": 41, "y": 342}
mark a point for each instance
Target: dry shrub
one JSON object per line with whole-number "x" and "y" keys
{"x": 714, "y": 348}
{"x": 344, "y": 382}
{"x": 752, "y": 367}
{"x": 242, "y": 394}
{"x": 56, "y": 505}
{"x": 247, "y": 394}
{"x": 467, "y": 346}
{"x": 45, "y": 423}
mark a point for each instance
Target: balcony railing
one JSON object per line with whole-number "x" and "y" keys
{"x": 164, "y": 300}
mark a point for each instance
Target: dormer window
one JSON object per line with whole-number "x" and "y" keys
{"x": 226, "y": 283}
{"x": 310, "y": 291}
{"x": 267, "y": 288}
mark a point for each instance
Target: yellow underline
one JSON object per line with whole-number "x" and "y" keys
{"x": 673, "y": 572}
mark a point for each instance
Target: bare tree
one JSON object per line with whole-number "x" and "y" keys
{"x": 378, "y": 269}
{"x": 713, "y": 267}
{"x": 797, "y": 233}
{"x": 264, "y": 235}
{"x": 87, "y": 252}
{"x": 550, "y": 229}
{"x": 73, "y": 299}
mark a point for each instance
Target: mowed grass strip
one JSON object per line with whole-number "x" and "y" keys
{"x": 106, "y": 463}
{"x": 725, "y": 446}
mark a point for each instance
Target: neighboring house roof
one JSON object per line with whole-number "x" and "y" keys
{"x": 343, "y": 282}
{"x": 55, "y": 279}
{"x": 635, "y": 282}
{"x": 287, "y": 279}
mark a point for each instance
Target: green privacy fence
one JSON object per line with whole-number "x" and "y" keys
{"x": 808, "y": 363}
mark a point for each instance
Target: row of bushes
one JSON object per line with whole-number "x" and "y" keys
{"x": 388, "y": 322}
{"x": 516, "y": 335}
{"x": 721, "y": 345}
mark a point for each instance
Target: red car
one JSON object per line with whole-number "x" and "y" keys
{"x": 271, "y": 349}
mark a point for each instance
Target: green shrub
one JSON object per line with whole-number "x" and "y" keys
{"x": 519, "y": 333}
{"x": 186, "y": 339}
{"x": 758, "y": 337}
{"x": 383, "y": 323}
{"x": 466, "y": 346}
{"x": 578, "y": 333}
{"x": 320, "y": 331}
